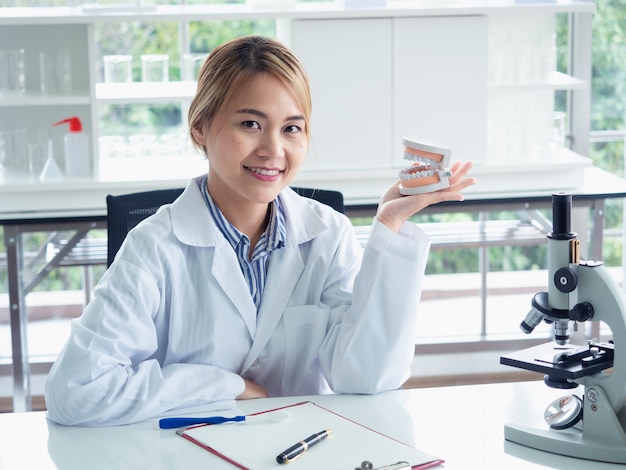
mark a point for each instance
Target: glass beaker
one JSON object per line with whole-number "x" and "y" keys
{"x": 56, "y": 71}
{"x": 117, "y": 68}
{"x": 12, "y": 74}
{"x": 155, "y": 68}
{"x": 191, "y": 64}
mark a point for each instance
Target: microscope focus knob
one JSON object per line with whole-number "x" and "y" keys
{"x": 581, "y": 312}
{"x": 565, "y": 280}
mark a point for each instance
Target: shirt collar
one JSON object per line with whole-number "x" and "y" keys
{"x": 275, "y": 234}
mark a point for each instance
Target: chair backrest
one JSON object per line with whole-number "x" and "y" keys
{"x": 127, "y": 210}
{"x": 329, "y": 197}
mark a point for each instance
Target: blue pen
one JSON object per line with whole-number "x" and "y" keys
{"x": 179, "y": 422}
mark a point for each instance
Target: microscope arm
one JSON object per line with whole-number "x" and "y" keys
{"x": 596, "y": 286}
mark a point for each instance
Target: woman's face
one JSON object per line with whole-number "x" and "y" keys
{"x": 256, "y": 146}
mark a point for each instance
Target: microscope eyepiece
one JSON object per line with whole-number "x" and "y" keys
{"x": 561, "y": 217}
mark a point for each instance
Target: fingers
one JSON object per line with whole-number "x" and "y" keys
{"x": 461, "y": 185}
{"x": 459, "y": 171}
{"x": 458, "y": 180}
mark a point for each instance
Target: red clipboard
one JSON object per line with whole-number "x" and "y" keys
{"x": 255, "y": 446}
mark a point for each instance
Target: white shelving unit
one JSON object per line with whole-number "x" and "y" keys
{"x": 400, "y": 77}
{"x": 136, "y": 92}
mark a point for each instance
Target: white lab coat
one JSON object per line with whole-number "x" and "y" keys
{"x": 172, "y": 323}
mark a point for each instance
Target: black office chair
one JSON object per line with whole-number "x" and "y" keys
{"x": 331, "y": 198}
{"x": 127, "y": 210}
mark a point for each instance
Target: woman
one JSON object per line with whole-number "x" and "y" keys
{"x": 241, "y": 288}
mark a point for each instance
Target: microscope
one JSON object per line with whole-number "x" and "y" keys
{"x": 590, "y": 426}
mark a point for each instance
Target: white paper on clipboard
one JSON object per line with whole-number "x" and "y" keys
{"x": 255, "y": 446}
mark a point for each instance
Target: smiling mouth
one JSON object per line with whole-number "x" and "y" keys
{"x": 263, "y": 171}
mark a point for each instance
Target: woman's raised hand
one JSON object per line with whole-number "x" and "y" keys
{"x": 394, "y": 208}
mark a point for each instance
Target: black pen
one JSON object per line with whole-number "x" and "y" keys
{"x": 298, "y": 449}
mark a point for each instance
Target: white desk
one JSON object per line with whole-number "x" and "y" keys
{"x": 463, "y": 425}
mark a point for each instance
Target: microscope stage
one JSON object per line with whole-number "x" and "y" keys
{"x": 542, "y": 359}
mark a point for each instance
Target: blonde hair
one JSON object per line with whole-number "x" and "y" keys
{"x": 228, "y": 69}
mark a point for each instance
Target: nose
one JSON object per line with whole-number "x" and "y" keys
{"x": 271, "y": 145}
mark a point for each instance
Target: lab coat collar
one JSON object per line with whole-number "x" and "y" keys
{"x": 302, "y": 221}
{"x": 191, "y": 221}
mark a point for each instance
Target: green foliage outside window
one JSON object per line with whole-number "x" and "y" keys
{"x": 608, "y": 105}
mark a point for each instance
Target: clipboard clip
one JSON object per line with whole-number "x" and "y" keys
{"x": 367, "y": 465}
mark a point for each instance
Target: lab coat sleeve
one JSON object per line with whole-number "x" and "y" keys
{"x": 108, "y": 372}
{"x": 371, "y": 344}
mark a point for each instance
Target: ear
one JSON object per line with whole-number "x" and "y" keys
{"x": 198, "y": 135}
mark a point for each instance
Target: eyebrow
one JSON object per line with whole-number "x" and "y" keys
{"x": 261, "y": 114}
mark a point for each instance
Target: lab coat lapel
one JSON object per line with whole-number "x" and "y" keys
{"x": 193, "y": 230}
{"x": 285, "y": 268}
{"x": 227, "y": 273}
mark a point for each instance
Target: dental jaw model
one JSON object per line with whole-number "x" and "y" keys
{"x": 428, "y": 171}
{"x": 590, "y": 425}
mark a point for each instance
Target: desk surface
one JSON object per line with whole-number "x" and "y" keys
{"x": 463, "y": 425}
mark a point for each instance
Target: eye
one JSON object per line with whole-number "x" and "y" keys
{"x": 292, "y": 129}
{"x": 251, "y": 124}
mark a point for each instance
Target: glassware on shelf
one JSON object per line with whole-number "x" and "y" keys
{"x": 23, "y": 153}
{"x": 117, "y": 68}
{"x": 55, "y": 70}
{"x": 12, "y": 72}
{"x": 50, "y": 171}
{"x": 191, "y": 64}
{"x": 155, "y": 67}
{"x": 37, "y": 155}
{"x": 17, "y": 157}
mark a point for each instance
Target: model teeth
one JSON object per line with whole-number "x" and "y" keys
{"x": 408, "y": 175}
{"x": 418, "y": 158}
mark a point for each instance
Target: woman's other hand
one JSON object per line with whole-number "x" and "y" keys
{"x": 252, "y": 390}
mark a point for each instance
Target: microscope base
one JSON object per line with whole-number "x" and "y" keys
{"x": 569, "y": 443}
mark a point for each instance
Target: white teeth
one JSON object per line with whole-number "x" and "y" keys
{"x": 405, "y": 175}
{"x": 419, "y": 158}
{"x": 262, "y": 171}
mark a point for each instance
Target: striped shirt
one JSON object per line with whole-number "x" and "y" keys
{"x": 254, "y": 268}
